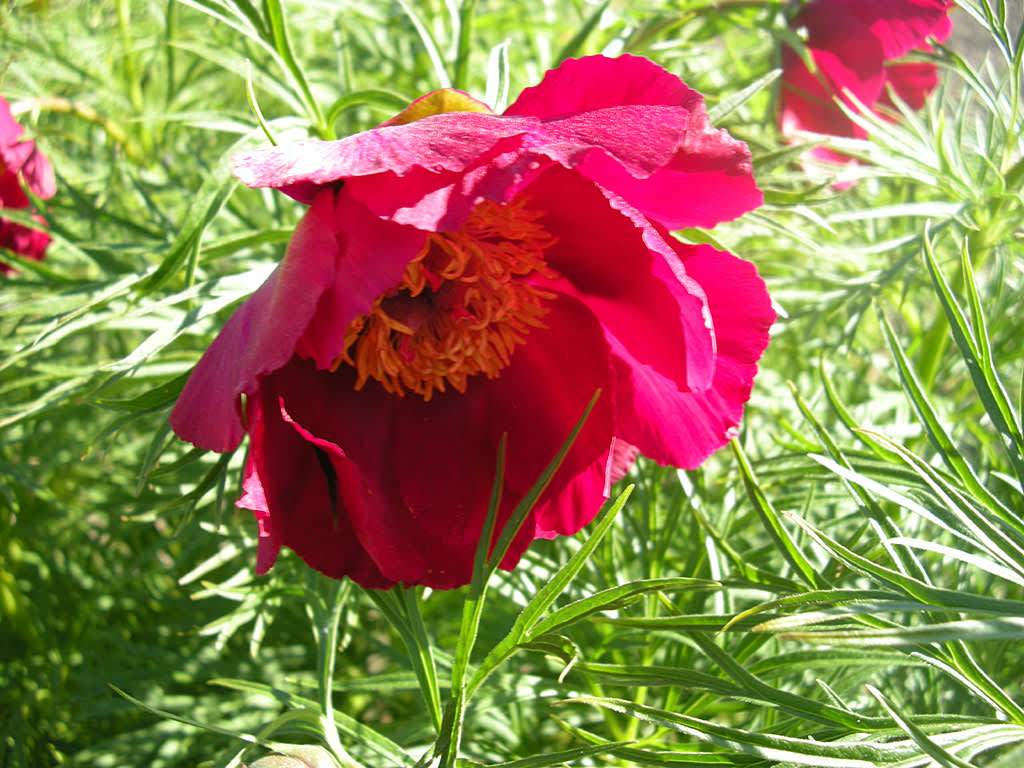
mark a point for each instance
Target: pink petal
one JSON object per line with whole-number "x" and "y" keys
{"x": 10, "y": 131}
{"x": 437, "y": 202}
{"x": 261, "y": 335}
{"x": 807, "y": 105}
{"x": 709, "y": 180}
{"x": 445, "y": 143}
{"x": 372, "y": 258}
{"x": 682, "y": 428}
{"x": 640, "y": 139}
{"x": 658, "y": 149}
{"x": 254, "y": 498}
{"x": 623, "y": 457}
{"x": 38, "y": 175}
{"x": 596, "y": 82}
{"x": 611, "y": 268}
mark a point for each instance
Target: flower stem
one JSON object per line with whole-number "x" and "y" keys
{"x": 401, "y": 608}
{"x": 326, "y": 623}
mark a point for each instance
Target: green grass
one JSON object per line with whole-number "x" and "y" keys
{"x": 842, "y": 588}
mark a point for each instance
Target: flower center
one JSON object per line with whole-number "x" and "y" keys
{"x": 463, "y": 306}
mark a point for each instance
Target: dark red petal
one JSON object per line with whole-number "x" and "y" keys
{"x": 445, "y": 450}
{"x": 446, "y": 143}
{"x": 683, "y": 428}
{"x": 539, "y": 398}
{"x": 595, "y": 82}
{"x": 360, "y": 424}
{"x": 310, "y": 489}
{"x": 624, "y": 282}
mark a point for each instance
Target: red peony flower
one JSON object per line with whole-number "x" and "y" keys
{"x": 21, "y": 162}
{"x": 461, "y": 275}
{"x": 851, "y": 43}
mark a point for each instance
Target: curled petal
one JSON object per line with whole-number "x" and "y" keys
{"x": 609, "y": 263}
{"x": 683, "y": 428}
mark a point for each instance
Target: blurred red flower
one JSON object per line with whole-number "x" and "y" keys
{"x": 852, "y": 43}
{"x": 461, "y": 275}
{"x": 21, "y": 163}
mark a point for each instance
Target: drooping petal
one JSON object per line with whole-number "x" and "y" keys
{"x": 596, "y": 82}
{"x": 652, "y": 142}
{"x": 338, "y": 262}
{"x": 261, "y": 335}
{"x": 610, "y": 268}
{"x": 444, "y": 144}
{"x": 683, "y": 428}
{"x": 437, "y": 202}
{"x": 372, "y": 257}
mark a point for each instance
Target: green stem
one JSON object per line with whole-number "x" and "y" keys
{"x": 326, "y": 624}
{"x": 401, "y": 608}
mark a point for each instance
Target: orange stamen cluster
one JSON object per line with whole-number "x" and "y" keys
{"x": 461, "y": 309}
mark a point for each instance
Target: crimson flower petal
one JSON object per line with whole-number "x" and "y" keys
{"x": 310, "y": 489}
{"x": 610, "y": 268}
{"x": 851, "y": 43}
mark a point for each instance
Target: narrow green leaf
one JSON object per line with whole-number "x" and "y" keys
{"x": 771, "y": 521}
{"x": 536, "y": 608}
{"x": 734, "y": 101}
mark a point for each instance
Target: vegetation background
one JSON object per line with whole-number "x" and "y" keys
{"x": 841, "y": 587}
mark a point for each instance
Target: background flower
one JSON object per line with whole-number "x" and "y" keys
{"x": 852, "y": 44}
{"x": 21, "y": 163}
{"x": 462, "y": 275}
